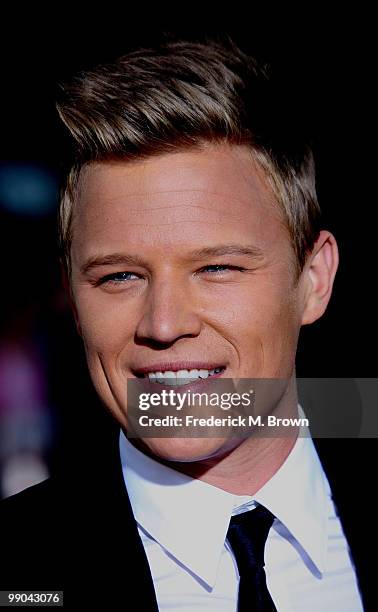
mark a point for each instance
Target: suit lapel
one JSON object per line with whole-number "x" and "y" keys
{"x": 109, "y": 551}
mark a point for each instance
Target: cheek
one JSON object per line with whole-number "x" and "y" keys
{"x": 106, "y": 324}
{"x": 282, "y": 329}
{"x": 278, "y": 336}
{"x": 266, "y": 328}
{"x": 266, "y": 305}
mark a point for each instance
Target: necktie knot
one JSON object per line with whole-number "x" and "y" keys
{"x": 247, "y": 535}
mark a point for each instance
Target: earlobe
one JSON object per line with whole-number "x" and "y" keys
{"x": 319, "y": 273}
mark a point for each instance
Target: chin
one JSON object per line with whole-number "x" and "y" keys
{"x": 186, "y": 450}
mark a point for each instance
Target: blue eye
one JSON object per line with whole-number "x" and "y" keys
{"x": 219, "y": 268}
{"x": 118, "y": 277}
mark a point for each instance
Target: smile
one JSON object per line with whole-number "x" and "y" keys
{"x": 181, "y": 377}
{"x": 179, "y": 373}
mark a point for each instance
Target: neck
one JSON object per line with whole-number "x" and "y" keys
{"x": 251, "y": 464}
{"x": 244, "y": 470}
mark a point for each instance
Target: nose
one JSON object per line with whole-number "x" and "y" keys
{"x": 169, "y": 312}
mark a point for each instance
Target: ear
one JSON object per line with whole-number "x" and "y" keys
{"x": 67, "y": 288}
{"x": 318, "y": 276}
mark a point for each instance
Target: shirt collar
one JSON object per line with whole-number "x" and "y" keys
{"x": 297, "y": 495}
{"x": 185, "y": 515}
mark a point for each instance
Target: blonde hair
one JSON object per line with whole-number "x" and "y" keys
{"x": 180, "y": 95}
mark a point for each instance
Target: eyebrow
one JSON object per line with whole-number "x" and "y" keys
{"x": 227, "y": 249}
{"x": 113, "y": 259}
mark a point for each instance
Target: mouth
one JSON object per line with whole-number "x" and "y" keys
{"x": 176, "y": 375}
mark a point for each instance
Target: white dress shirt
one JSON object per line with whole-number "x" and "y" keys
{"x": 183, "y": 524}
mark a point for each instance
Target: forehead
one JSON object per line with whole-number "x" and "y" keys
{"x": 195, "y": 196}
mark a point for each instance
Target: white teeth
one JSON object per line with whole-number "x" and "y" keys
{"x": 181, "y": 377}
{"x": 169, "y": 378}
{"x": 204, "y": 373}
{"x": 183, "y": 374}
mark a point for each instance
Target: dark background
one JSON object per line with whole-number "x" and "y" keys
{"x": 326, "y": 66}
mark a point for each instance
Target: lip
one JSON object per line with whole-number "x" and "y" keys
{"x": 175, "y": 366}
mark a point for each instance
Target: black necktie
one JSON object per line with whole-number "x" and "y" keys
{"x": 247, "y": 535}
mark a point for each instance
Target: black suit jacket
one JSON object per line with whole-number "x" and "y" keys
{"x": 76, "y": 531}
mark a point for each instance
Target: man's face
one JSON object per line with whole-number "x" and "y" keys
{"x": 181, "y": 262}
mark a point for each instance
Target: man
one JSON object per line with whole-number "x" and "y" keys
{"x": 192, "y": 249}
